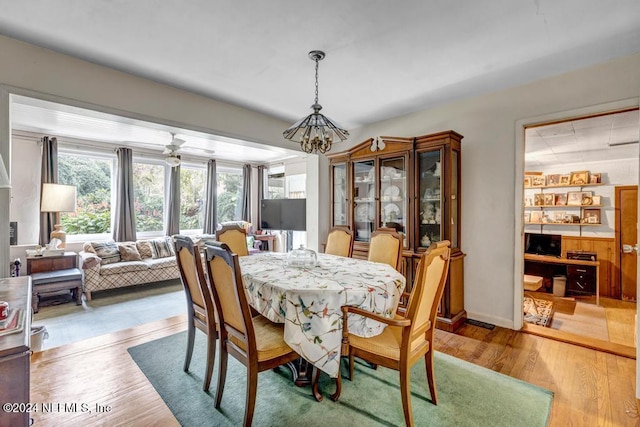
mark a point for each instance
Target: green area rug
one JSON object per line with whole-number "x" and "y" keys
{"x": 469, "y": 395}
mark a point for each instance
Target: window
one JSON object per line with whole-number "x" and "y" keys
{"x": 229, "y": 194}
{"x": 192, "y": 197}
{"x": 148, "y": 190}
{"x": 276, "y": 186}
{"x": 92, "y": 178}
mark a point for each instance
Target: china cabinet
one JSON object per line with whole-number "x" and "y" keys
{"x": 411, "y": 185}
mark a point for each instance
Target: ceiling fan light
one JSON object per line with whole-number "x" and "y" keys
{"x": 172, "y": 161}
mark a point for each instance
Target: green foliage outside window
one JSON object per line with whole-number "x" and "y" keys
{"x": 229, "y": 191}
{"x": 92, "y": 178}
{"x": 192, "y": 198}
{"x": 148, "y": 190}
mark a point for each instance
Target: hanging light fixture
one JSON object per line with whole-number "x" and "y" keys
{"x": 316, "y": 132}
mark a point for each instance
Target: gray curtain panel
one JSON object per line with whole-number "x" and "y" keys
{"x": 261, "y": 183}
{"x": 48, "y": 174}
{"x": 211, "y": 205}
{"x": 173, "y": 204}
{"x": 246, "y": 193}
{"x": 124, "y": 229}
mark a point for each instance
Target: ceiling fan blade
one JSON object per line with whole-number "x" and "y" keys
{"x": 177, "y": 142}
{"x": 168, "y": 150}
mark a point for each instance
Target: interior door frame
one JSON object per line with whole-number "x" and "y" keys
{"x": 521, "y": 125}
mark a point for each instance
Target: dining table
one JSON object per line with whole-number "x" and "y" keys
{"x": 308, "y": 300}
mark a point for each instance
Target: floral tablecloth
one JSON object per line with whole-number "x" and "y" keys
{"x": 308, "y": 300}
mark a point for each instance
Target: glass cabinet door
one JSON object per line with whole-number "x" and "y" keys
{"x": 394, "y": 198}
{"x": 364, "y": 199}
{"x": 430, "y": 207}
{"x": 339, "y": 179}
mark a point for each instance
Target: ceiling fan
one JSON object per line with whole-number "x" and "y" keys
{"x": 171, "y": 150}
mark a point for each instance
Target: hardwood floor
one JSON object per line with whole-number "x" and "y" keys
{"x": 590, "y": 387}
{"x": 617, "y": 318}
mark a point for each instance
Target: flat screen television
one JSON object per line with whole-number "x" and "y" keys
{"x": 543, "y": 244}
{"x": 283, "y": 214}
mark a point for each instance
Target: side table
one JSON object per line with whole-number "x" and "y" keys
{"x": 57, "y": 273}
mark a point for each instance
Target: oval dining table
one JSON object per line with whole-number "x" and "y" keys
{"x": 308, "y": 300}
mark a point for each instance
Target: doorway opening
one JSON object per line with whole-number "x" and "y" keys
{"x": 572, "y": 275}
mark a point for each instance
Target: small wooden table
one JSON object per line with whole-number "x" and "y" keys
{"x": 269, "y": 238}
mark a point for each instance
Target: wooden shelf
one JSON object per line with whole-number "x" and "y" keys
{"x": 563, "y": 223}
{"x": 562, "y": 186}
{"x": 563, "y": 206}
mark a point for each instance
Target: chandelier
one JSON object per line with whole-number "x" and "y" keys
{"x": 316, "y": 132}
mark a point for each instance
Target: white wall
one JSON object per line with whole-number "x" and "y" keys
{"x": 489, "y": 181}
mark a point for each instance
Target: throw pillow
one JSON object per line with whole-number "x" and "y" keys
{"x": 86, "y": 246}
{"x": 144, "y": 249}
{"x": 129, "y": 251}
{"x": 108, "y": 251}
{"x": 90, "y": 261}
{"x": 160, "y": 248}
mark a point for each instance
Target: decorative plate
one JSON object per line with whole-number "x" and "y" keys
{"x": 391, "y": 191}
{"x": 364, "y": 213}
{"x": 391, "y": 208}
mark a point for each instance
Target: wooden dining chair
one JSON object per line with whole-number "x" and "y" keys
{"x": 340, "y": 242}
{"x": 235, "y": 236}
{"x": 386, "y": 246}
{"x": 200, "y": 306}
{"x": 256, "y": 342}
{"x": 406, "y": 339}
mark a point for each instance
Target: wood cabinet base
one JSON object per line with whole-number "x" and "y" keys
{"x": 452, "y": 324}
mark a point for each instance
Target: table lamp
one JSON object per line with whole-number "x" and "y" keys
{"x": 58, "y": 198}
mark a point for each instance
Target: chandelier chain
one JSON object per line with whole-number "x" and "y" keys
{"x": 317, "y": 80}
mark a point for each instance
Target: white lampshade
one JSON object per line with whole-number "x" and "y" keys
{"x": 4, "y": 176}
{"x": 58, "y": 198}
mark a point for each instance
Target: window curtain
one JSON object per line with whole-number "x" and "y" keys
{"x": 173, "y": 203}
{"x": 124, "y": 229}
{"x": 261, "y": 181}
{"x": 211, "y": 205}
{"x": 246, "y": 193}
{"x": 48, "y": 174}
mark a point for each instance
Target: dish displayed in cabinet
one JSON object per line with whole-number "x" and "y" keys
{"x": 365, "y": 212}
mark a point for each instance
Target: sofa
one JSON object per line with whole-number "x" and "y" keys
{"x": 111, "y": 265}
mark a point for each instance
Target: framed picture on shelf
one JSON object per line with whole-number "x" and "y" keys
{"x": 538, "y": 199}
{"x": 559, "y": 216}
{"x": 537, "y": 181}
{"x": 527, "y": 217}
{"x": 528, "y": 201}
{"x": 549, "y": 199}
{"x": 527, "y": 181}
{"x": 561, "y": 199}
{"x": 597, "y": 200}
{"x": 565, "y": 179}
{"x": 553, "y": 179}
{"x": 587, "y": 199}
{"x": 591, "y": 216}
{"x": 574, "y": 198}
{"x": 536, "y": 217}
{"x": 579, "y": 178}
{"x": 595, "y": 178}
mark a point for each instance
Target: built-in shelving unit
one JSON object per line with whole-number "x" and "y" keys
{"x": 582, "y": 207}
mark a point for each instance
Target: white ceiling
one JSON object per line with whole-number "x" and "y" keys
{"x": 384, "y": 58}
{"x": 602, "y": 138}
